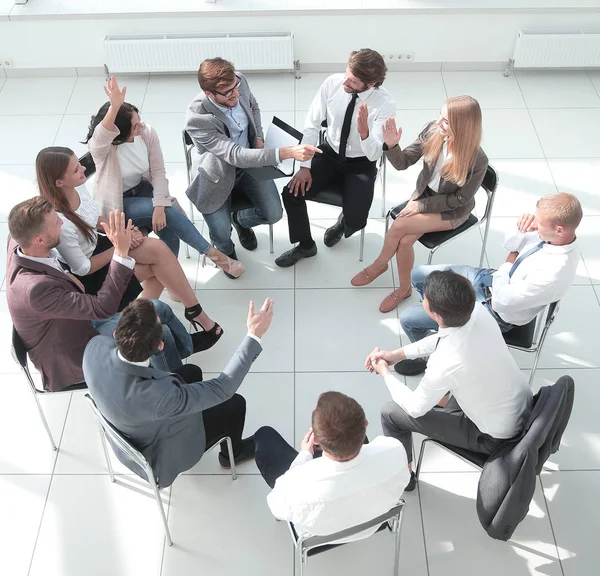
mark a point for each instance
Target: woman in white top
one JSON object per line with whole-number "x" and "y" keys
{"x": 130, "y": 175}
{"x": 454, "y": 166}
{"x": 60, "y": 179}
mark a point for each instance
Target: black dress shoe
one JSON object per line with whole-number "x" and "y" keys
{"x": 412, "y": 483}
{"x": 292, "y": 256}
{"x": 245, "y": 454}
{"x": 246, "y": 235}
{"x": 334, "y": 234}
{"x": 411, "y": 367}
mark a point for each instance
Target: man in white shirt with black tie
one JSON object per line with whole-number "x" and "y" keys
{"x": 353, "y": 107}
{"x": 468, "y": 358}
{"x": 539, "y": 269}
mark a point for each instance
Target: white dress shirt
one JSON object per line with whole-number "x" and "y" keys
{"x": 133, "y": 161}
{"x": 321, "y": 496}
{"x": 436, "y": 175}
{"x": 331, "y": 102}
{"x": 474, "y": 363}
{"x": 540, "y": 279}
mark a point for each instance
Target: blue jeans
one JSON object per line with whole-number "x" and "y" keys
{"x": 178, "y": 343}
{"x": 140, "y": 208}
{"x": 416, "y": 322}
{"x": 266, "y": 209}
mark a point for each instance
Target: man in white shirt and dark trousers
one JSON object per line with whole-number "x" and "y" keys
{"x": 468, "y": 358}
{"x": 538, "y": 271}
{"x": 353, "y": 106}
{"x": 351, "y": 483}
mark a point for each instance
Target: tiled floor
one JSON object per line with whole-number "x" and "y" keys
{"x": 62, "y": 517}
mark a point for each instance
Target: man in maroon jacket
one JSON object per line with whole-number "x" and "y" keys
{"x": 49, "y": 308}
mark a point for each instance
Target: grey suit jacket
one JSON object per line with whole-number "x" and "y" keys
{"x": 216, "y": 155}
{"x": 156, "y": 410}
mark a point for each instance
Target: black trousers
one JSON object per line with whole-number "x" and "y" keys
{"x": 448, "y": 424}
{"x": 357, "y": 179}
{"x": 225, "y": 419}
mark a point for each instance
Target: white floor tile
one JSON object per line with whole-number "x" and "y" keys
{"x": 88, "y": 95}
{"x": 72, "y": 132}
{"x": 269, "y": 402}
{"x": 93, "y": 527}
{"x": 176, "y": 174}
{"x": 273, "y": 91}
{"x": 580, "y": 444}
{"x": 168, "y": 93}
{"x": 22, "y": 500}
{"x": 588, "y": 237}
{"x": 416, "y": 90}
{"x": 29, "y": 134}
{"x": 306, "y": 88}
{"x": 226, "y": 528}
{"x": 22, "y": 96}
{"x": 566, "y": 134}
{"x": 169, "y": 127}
{"x": 575, "y": 175}
{"x": 490, "y": 89}
{"x": 231, "y": 311}
{"x": 20, "y": 180}
{"x": 574, "y": 495}
{"x": 336, "y": 312}
{"x": 457, "y": 543}
{"x": 510, "y": 134}
{"x": 558, "y": 89}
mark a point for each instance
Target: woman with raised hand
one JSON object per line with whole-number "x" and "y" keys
{"x": 60, "y": 178}
{"x": 453, "y": 168}
{"x": 130, "y": 175}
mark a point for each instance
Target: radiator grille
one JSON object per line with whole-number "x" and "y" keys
{"x": 183, "y": 53}
{"x": 574, "y": 49}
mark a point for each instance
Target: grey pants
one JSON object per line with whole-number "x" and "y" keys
{"x": 449, "y": 425}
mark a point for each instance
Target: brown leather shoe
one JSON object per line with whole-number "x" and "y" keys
{"x": 393, "y": 299}
{"x": 367, "y": 276}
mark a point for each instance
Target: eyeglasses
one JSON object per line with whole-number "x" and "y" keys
{"x": 229, "y": 93}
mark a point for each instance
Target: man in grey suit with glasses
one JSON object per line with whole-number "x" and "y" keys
{"x": 224, "y": 124}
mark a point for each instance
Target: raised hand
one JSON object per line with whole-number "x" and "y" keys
{"x": 259, "y": 322}
{"x": 391, "y": 135}
{"x": 116, "y": 96}
{"x": 362, "y": 122}
{"x": 118, "y": 233}
{"x": 527, "y": 223}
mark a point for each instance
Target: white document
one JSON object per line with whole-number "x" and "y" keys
{"x": 281, "y": 135}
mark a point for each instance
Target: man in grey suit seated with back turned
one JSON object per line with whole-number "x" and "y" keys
{"x": 170, "y": 417}
{"x": 224, "y": 123}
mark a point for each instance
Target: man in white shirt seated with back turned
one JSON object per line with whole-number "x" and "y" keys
{"x": 538, "y": 271}
{"x": 468, "y": 358}
{"x": 350, "y": 483}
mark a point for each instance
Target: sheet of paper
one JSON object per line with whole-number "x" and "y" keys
{"x": 280, "y": 135}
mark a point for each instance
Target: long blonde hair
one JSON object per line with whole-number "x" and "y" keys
{"x": 464, "y": 139}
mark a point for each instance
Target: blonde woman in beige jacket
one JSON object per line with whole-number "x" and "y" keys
{"x": 130, "y": 176}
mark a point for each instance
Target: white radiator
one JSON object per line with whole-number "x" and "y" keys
{"x": 184, "y": 53}
{"x": 574, "y": 49}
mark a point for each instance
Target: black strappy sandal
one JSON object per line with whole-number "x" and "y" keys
{"x": 207, "y": 338}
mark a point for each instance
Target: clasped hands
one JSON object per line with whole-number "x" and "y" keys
{"x": 379, "y": 361}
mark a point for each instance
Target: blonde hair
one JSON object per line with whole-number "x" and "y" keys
{"x": 562, "y": 209}
{"x": 464, "y": 139}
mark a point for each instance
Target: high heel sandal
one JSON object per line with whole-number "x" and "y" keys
{"x": 232, "y": 268}
{"x": 205, "y": 339}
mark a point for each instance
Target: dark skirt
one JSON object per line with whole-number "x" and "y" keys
{"x": 93, "y": 282}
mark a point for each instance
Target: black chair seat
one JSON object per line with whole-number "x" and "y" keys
{"x": 433, "y": 239}
{"x": 521, "y": 336}
{"x": 473, "y": 457}
{"x": 330, "y": 195}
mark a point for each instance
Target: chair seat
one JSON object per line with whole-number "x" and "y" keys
{"x": 521, "y": 336}
{"x": 433, "y": 239}
{"x": 473, "y": 457}
{"x": 331, "y": 195}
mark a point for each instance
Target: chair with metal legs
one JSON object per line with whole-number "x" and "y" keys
{"x": 435, "y": 240}
{"x": 239, "y": 200}
{"x": 142, "y": 467}
{"x": 530, "y": 338}
{"x": 307, "y": 546}
{"x": 19, "y": 353}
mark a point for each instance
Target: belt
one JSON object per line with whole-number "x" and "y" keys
{"x": 327, "y": 149}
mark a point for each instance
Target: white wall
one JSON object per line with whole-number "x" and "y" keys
{"x": 319, "y": 38}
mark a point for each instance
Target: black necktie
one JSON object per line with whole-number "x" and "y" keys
{"x": 346, "y": 126}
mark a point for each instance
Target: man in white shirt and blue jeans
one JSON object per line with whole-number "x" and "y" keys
{"x": 352, "y": 482}
{"x": 538, "y": 271}
{"x": 468, "y": 358}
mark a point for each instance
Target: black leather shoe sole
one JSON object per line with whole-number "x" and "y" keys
{"x": 412, "y": 483}
{"x": 246, "y": 235}
{"x": 411, "y": 367}
{"x": 246, "y": 453}
{"x": 292, "y": 256}
{"x": 334, "y": 233}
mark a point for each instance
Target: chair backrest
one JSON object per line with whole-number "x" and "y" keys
{"x": 489, "y": 184}
{"x": 120, "y": 444}
{"x": 187, "y": 151}
{"x": 88, "y": 163}
{"x": 306, "y": 543}
{"x": 18, "y": 348}
{"x": 531, "y": 335}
